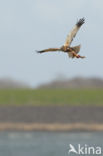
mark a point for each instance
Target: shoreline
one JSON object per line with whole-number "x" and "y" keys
{"x": 9, "y": 126}
{"x": 51, "y": 118}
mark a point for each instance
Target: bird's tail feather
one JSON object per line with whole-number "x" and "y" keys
{"x": 76, "y": 49}
{"x": 70, "y": 54}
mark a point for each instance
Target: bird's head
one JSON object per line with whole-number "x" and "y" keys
{"x": 78, "y": 56}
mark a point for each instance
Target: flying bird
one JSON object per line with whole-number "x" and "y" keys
{"x": 71, "y": 51}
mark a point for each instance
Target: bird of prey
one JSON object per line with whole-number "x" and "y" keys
{"x": 71, "y": 51}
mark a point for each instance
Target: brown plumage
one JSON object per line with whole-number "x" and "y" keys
{"x": 71, "y": 51}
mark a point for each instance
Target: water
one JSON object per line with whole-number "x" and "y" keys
{"x": 45, "y": 143}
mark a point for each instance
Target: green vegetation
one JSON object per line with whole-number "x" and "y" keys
{"x": 51, "y": 97}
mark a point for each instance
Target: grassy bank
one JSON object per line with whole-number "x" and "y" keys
{"x": 51, "y": 97}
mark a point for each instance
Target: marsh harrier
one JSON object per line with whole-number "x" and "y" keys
{"x": 71, "y": 51}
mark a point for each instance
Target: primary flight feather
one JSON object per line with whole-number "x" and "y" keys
{"x": 71, "y": 51}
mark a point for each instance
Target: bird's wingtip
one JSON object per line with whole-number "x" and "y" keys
{"x": 80, "y": 22}
{"x": 37, "y": 51}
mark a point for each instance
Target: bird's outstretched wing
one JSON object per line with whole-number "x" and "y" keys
{"x": 48, "y": 50}
{"x": 73, "y": 32}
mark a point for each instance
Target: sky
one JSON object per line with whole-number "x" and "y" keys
{"x": 29, "y": 25}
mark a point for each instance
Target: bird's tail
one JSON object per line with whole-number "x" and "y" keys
{"x": 76, "y": 49}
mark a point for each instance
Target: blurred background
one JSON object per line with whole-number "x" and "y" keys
{"x": 49, "y": 101}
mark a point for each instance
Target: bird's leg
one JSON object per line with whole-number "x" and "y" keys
{"x": 76, "y": 55}
{"x": 82, "y": 56}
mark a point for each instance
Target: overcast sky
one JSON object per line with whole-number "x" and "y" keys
{"x": 29, "y": 25}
